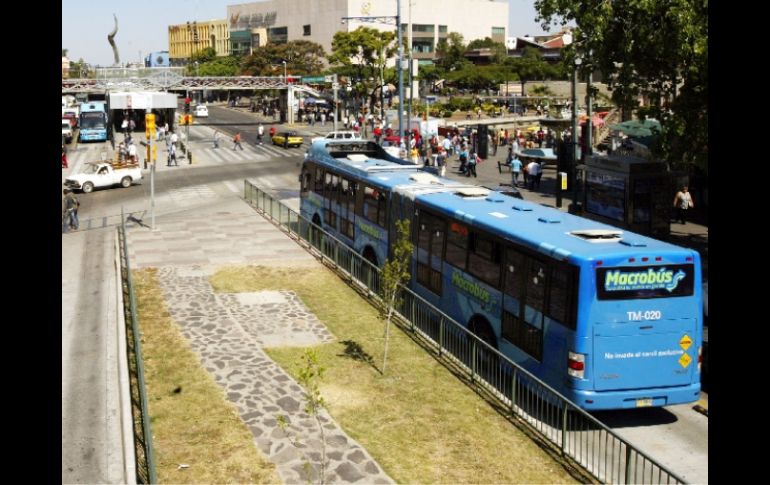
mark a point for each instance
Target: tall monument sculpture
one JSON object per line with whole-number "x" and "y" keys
{"x": 111, "y": 38}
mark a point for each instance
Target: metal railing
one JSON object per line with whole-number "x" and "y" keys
{"x": 145, "y": 458}
{"x": 576, "y": 434}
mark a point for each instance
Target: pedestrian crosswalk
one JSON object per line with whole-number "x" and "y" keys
{"x": 207, "y": 154}
{"x": 204, "y": 153}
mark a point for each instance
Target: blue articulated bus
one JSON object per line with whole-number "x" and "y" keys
{"x": 94, "y": 121}
{"x": 609, "y": 318}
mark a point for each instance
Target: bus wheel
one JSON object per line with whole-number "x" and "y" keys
{"x": 481, "y": 327}
{"x": 370, "y": 255}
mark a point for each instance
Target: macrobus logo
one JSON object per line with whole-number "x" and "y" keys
{"x": 650, "y": 279}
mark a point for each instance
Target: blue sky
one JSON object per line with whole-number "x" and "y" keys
{"x": 142, "y": 24}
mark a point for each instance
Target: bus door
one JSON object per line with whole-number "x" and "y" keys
{"x": 523, "y": 301}
{"x": 638, "y": 340}
{"x": 331, "y": 189}
{"x": 401, "y": 207}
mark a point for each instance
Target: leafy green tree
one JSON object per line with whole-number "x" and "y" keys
{"x": 499, "y": 49}
{"x": 531, "y": 66}
{"x": 302, "y": 58}
{"x": 363, "y": 53}
{"x": 64, "y": 52}
{"x": 395, "y": 273}
{"x": 207, "y": 54}
{"x": 654, "y": 48}
{"x": 450, "y": 52}
{"x": 360, "y": 49}
{"x": 221, "y": 66}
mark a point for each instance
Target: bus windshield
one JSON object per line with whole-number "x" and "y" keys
{"x": 637, "y": 283}
{"x": 92, "y": 121}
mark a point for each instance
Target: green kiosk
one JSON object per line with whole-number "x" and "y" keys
{"x": 628, "y": 192}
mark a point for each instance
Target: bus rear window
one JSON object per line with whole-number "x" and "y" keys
{"x": 642, "y": 282}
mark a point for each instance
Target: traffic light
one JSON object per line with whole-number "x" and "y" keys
{"x": 187, "y": 104}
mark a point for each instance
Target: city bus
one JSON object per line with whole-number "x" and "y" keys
{"x": 94, "y": 121}
{"x": 609, "y": 318}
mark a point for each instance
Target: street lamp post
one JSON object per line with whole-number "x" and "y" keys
{"x": 284, "y": 71}
{"x": 578, "y": 61}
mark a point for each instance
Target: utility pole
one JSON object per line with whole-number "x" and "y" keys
{"x": 409, "y": 46}
{"x": 382, "y": 83}
{"x": 335, "y": 87}
{"x": 589, "y": 132}
{"x": 400, "y": 72}
{"x": 573, "y": 176}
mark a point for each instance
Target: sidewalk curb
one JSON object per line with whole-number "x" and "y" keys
{"x": 124, "y": 397}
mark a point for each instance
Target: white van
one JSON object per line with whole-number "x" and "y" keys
{"x": 339, "y": 135}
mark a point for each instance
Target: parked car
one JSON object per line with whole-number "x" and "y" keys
{"x": 201, "y": 111}
{"x": 287, "y": 139}
{"x": 338, "y": 135}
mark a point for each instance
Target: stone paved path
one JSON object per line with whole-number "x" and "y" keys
{"x": 227, "y": 331}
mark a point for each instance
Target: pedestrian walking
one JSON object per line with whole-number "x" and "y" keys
{"x": 237, "y": 141}
{"x": 216, "y": 139}
{"x": 71, "y": 206}
{"x": 260, "y": 133}
{"x": 473, "y": 159}
{"x": 682, "y": 203}
{"x": 172, "y": 155}
{"x": 64, "y": 163}
{"x": 515, "y": 170}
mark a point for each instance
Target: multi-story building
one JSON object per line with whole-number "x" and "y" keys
{"x": 255, "y": 24}
{"x": 186, "y": 39}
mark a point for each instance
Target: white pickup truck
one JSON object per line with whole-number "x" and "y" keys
{"x": 104, "y": 174}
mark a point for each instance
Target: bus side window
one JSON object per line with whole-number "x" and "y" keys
{"x": 382, "y": 210}
{"x": 484, "y": 259}
{"x": 525, "y": 333}
{"x": 457, "y": 245}
{"x": 370, "y": 204}
{"x": 319, "y": 181}
{"x": 563, "y": 293}
{"x": 306, "y": 179}
{"x": 430, "y": 245}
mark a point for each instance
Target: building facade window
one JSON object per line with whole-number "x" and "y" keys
{"x": 422, "y": 46}
{"x": 424, "y": 28}
{"x": 498, "y": 30}
{"x": 278, "y": 35}
{"x": 306, "y": 30}
{"x": 442, "y": 29}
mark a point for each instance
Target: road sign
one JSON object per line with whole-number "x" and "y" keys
{"x": 336, "y": 86}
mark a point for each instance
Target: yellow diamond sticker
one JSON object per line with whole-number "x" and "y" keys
{"x": 685, "y": 342}
{"x": 685, "y": 360}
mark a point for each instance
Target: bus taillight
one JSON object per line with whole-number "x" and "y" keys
{"x": 576, "y": 364}
{"x": 700, "y": 357}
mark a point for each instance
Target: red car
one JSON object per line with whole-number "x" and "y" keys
{"x": 72, "y": 119}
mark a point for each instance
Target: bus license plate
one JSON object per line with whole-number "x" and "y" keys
{"x": 644, "y": 402}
